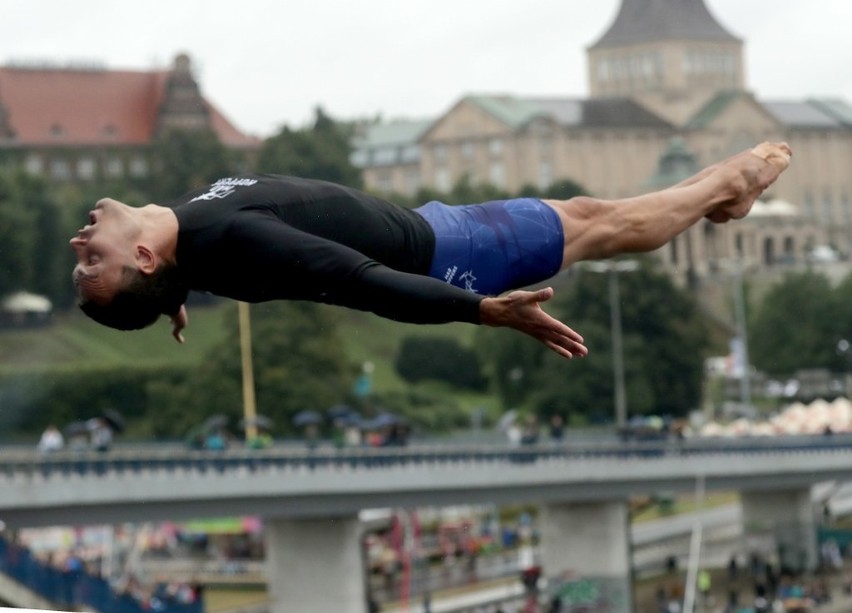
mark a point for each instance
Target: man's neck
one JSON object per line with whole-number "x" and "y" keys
{"x": 160, "y": 226}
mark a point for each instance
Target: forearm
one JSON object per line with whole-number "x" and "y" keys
{"x": 408, "y": 297}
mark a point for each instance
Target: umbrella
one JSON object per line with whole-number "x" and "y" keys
{"x": 382, "y": 420}
{"x": 114, "y": 419}
{"x": 306, "y": 417}
{"x": 340, "y": 411}
{"x": 216, "y": 422}
{"x": 76, "y": 428}
{"x": 352, "y": 419}
{"x": 258, "y": 421}
{"x": 507, "y": 419}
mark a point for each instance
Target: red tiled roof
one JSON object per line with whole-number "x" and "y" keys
{"x": 91, "y": 107}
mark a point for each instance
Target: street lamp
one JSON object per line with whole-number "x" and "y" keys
{"x": 613, "y": 267}
{"x": 249, "y": 408}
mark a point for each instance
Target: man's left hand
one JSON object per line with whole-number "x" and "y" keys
{"x": 521, "y": 311}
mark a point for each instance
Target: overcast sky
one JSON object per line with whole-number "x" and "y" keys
{"x": 267, "y": 63}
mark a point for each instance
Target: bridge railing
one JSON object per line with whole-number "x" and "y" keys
{"x": 23, "y": 464}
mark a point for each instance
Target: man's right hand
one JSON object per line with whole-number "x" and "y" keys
{"x": 179, "y": 322}
{"x": 521, "y": 311}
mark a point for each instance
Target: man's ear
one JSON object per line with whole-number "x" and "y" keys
{"x": 146, "y": 260}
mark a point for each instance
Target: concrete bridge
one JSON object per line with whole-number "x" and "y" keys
{"x": 310, "y": 500}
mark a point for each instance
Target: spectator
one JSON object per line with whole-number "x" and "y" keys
{"x": 530, "y": 432}
{"x": 100, "y": 434}
{"x": 704, "y": 584}
{"x": 557, "y": 428}
{"x": 216, "y": 441}
{"x": 51, "y": 440}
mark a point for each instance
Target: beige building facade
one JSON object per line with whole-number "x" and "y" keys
{"x": 664, "y": 71}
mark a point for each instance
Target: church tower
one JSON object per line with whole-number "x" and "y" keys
{"x": 670, "y": 55}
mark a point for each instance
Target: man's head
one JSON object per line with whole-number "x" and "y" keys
{"x": 120, "y": 281}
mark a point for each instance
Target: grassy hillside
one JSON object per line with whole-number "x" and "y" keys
{"x": 74, "y": 341}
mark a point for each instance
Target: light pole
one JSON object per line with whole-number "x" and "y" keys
{"x": 742, "y": 334}
{"x": 249, "y": 407}
{"x": 612, "y": 268}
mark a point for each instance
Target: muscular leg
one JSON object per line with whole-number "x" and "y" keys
{"x": 597, "y": 229}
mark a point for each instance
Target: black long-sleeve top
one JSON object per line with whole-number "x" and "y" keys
{"x": 265, "y": 237}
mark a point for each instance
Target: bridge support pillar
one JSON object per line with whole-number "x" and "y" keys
{"x": 787, "y": 516}
{"x": 315, "y": 565}
{"x": 586, "y": 554}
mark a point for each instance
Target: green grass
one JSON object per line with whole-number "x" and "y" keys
{"x": 73, "y": 341}
{"x": 368, "y": 338}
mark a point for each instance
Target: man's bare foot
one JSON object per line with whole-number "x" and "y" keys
{"x": 751, "y": 173}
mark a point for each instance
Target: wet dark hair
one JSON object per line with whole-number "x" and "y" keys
{"x": 141, "y": 299}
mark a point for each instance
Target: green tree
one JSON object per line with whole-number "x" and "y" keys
{"x": 562, "y": 189}
{"x": 425, "y": 358}
{"x": 29, "y": 220}
{"x": 319, "y": 152}
{"x": 797, "y": 325}
{"x": 664, "y": 344}
{"x": 186, "y": 159}
{"x": 298, "y": 363}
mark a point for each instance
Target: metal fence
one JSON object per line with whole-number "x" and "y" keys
{"x": 27, "y": 463}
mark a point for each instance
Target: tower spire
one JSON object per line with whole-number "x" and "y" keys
{"x": 642, "y": 21}
{"x": 670, "y": 55}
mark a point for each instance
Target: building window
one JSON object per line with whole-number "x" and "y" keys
{"x": 384, "y": 181}
{"x": 412, "y": 181}
{"x": 442, "y": 180}
{"x": 57, "y": 131}
{"x": 808, "y": 201}
{"x": 789, "y": 249}
{"x": 139, "y": 167}
{"x": 384, "y": 156}
{"x": 497, "y": 175}
{"x": 86, "y": 168}
{"x": 545, "y": 144}
{"x": 34, "y": 164}
{"x": 410, "y": 153}
{"x": 827, "y": 206}
{"x": 360, "y": 158}
{"x": 60, "y": 169}
{"x": 495, "y": 147}
{"x": 114, "y": 167}
{"x": 468, "y": 149}
{"x": 440, "y": 153}
{"x": 603, "y": 69}
{"x": 545, "y": 174}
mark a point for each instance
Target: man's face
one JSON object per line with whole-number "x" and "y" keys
{"x": 103, "y": 248}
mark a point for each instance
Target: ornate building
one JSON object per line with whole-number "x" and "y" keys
{"x": 80, "y": 123}
{"x": 664, "y": 69}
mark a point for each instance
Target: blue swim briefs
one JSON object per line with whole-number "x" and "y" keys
{"x": 496, "y": 246}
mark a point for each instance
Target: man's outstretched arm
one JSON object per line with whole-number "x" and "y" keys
{"x": 521, "y": 310}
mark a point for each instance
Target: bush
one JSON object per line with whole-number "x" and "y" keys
{"x": 439, "y": 359}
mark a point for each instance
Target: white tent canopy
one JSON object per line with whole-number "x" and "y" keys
{"x": 796, "y": 418}
{"x": 25, "y": 302}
